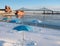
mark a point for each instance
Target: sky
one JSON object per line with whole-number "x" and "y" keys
{"x": 17, "y": 4}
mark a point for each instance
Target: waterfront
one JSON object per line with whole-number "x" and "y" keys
{"x": 49, "y": 20}
{"x": 45, "y": 32}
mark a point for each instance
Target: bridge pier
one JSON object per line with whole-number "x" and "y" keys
{"x": 48, "y": 12}
{"x": 44, "y": 12}
{"x": 52, "y": 12}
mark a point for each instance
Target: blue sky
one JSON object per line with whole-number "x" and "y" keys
{"x": 16, "y": 4}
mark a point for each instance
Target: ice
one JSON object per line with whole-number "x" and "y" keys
{"x": 38, "y": 36}
{"x": 1, "y": 43}
{"x": 30, "y": 43}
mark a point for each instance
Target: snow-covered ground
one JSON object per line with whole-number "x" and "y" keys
{"x": 38, "y": 36}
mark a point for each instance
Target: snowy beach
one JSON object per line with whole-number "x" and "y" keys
{"x": 29, "y": 22}
{"x": 39, "y": 36}
{"x": 42, "y": 33}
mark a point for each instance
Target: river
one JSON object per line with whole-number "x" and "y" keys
{"x": 48, "y": 20}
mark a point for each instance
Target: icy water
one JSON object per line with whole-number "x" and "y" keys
{"x": 50, "y": 21}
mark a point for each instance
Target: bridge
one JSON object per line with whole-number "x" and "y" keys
{"x": 9, "y": 12}
{"x": 41, "y": 10}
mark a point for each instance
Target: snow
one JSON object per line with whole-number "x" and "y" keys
{"x": 39, "y": 36}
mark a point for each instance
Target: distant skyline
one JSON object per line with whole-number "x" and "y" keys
{"x": 16, "y": 4}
